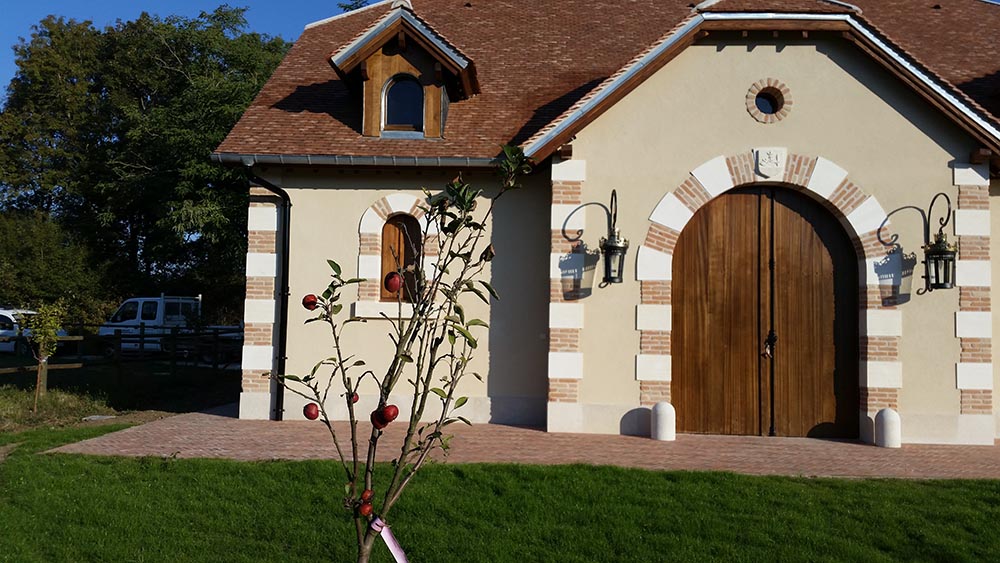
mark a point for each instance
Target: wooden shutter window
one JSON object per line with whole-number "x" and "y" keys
{"x": 401, "y": 242}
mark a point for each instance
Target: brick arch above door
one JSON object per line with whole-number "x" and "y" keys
{"x": 860, "y": 214}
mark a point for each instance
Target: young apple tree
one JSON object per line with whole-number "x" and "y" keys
{"x": 436, "y": 343}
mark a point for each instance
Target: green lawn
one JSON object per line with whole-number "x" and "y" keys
{"x": 75, "y": 508}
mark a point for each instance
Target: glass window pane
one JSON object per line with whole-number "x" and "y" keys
{"x": 127, "y": 312}
{"x": 404, "y": 105}
{"x": 149, "y": 310}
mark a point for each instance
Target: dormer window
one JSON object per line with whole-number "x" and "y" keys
{"x": 403, "y": 105}
{"x": 405, "y": 76}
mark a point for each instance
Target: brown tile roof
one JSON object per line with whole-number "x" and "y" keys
{"x": 536, "y": 59}
{"x": 797, "y": 6}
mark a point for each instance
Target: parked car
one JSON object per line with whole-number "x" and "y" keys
{"x": 152, "y": 317}
{"x": 11, "y": 328}
{"x": 147, "y": 321}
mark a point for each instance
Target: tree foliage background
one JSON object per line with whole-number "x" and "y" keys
{"x": 106, "y": 184}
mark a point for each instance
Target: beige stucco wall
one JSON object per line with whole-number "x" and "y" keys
{"x": 327, "y": 207}
{"x": 846, "y": 109}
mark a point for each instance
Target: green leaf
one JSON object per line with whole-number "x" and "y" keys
{"x": 290, "y": 378}
{"x": 439, "y": 392}
{"x": 478, "y": 293}
{"x": 406, "y": 358}
{"x": 336, "y": 309}
{"x": 328, "y": 293}
{"x": 477, "y": 376}
{"x": 461, "y": 401}
{"x": 358, "y": 363}
{"x": 354, "y": 280}
{"x": 465, "y": 420}
{"x": 460, "y": 311}
{"x": 468, "y": 337}
{"x": 490, "y": 289}
{"x": 453, "y": 319}
{"x": 451, "y": 337}
{"x": 334, "y": 266}
{"x": 477, "y": 322}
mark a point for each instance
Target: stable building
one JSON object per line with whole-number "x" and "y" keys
{"x": 781, "y": 170}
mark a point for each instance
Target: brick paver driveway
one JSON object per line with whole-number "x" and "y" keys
{"x": 213, "y": 436}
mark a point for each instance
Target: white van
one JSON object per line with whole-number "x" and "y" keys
{"x": 10, "y": 329}
{"x": 153, "y": 317}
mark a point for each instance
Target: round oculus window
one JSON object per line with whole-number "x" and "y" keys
{"x": 768, "y": 101}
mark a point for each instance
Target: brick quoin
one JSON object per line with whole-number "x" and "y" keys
{"x": 564, "y": 390}
{"x": 977, "y": 401}
{"x": 368, "y": 290}
{"x": 974, "y": 298}
{"x": 261, "y": 241}
{"x": 799, "y": 169}
{"x": 661, "y": 238}
{"x": 847, "y": 197}
{"x": 973, "y": 247}
{"x": 878, "y": 398}
{"x": 692, "y": 194}
{"x": 260, "y": 287}
{"x": 256, "y": 381}
{"x": 258, "y": 334}
{"x": 564, "y": 340}
{"x": 880, "y": 348}
{"x": 655, "y": 292}
{"x": 741, "y": 168}
{"x": 258, "y": 193}
{"x": 382, "y": 208}
{"x": 370, "y": 244}
{"x": 562, "y": 245}
{"x": 652, "y": 392}
{"x": 655, "y": 342}
{"x": 567, "y": 192}
{"x": 973, "y": 197}
{"x": 976, "y": 350}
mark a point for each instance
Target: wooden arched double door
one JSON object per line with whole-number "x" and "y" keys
{"x": 757, "y": 261}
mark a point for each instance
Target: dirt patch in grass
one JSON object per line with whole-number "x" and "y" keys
{"x": 5, "y": 450}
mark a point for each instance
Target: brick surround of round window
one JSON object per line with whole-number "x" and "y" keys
{"x": 775, "y": 93}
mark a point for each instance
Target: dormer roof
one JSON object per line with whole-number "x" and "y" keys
{"x": 402, "y": 19}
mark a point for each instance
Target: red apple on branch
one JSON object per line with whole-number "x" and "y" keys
{"x": 365, "y": 509}
{"x": 377, "y": 421}
{"x": 310, "y": 302}
{"x": 393, "y": 282}
{"x": 390, "y": 412}
{"x": 367, "y": 495}
{"x": 311, "y": 411}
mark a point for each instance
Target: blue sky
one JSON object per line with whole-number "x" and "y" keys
{"x": 285, "y": 18}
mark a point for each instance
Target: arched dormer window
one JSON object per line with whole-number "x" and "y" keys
{"x": 403, "y": 105}
{"x": 401, "y": 243}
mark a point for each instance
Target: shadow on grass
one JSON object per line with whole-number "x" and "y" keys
{"x": 136, "y": 385}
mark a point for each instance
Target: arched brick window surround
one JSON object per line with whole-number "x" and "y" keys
{"x": 370, "y": 239}
{"x": 861, "y": 215}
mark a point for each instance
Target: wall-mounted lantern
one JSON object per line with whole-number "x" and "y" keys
{"x": 614, "y": 246}
{"x": 939, "y": 256}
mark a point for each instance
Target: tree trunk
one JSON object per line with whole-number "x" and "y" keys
{"x": 43, "y": 376}
{"x": 365, "y": 548}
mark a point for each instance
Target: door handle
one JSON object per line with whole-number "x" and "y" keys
{"x": 769, "y": 342}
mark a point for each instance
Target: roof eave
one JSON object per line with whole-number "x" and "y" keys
{"x": 247, "y": 159}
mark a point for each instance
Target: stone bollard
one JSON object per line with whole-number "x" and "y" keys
{"x": 887, "y": 429}
{"x": 663, "y": 422}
